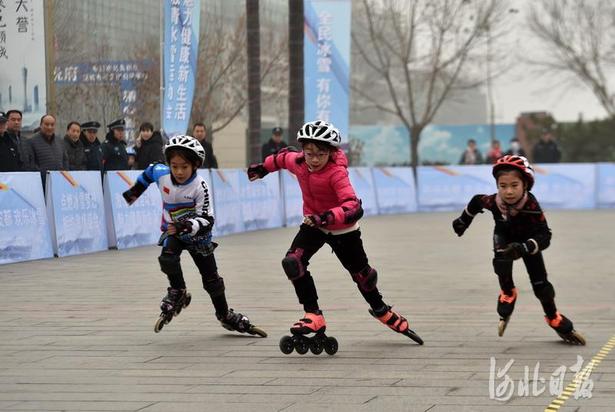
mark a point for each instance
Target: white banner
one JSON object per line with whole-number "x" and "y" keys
{"x": 22, "y": 59}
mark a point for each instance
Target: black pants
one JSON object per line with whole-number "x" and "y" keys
{"x": 212, "y": 282}
{"x": 348, "y": 248}
{"x": 535, "y": 266}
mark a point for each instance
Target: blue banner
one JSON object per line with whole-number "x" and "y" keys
{"x": 451, "y": 187}
{"x": 75, "y": 201}
{"x": 24, "y": 229}
{"x": 565, "y": 186}
{"x": 326, "y": 51}
{"x": 293, "y": 201}
{"x": 605, "y": 187}
{"x": 181, "y": 47}
{"x": 134, "y": 225}
{"x": 363, "y": 183}
{"x": 261, "y": 202}
{"x": 228, "y": 208}
{"x": 395, "y": 190}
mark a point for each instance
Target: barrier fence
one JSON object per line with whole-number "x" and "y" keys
{"x": 79, "y": 213}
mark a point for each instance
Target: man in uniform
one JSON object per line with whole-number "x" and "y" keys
{"x": 115, "y": 156}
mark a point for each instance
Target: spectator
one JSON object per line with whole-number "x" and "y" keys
{"x": 46, "y": 152}
{"x": 115, "y": 156}
{"x": 10, "y": 157}
{"x": 13, "y": 126}
{"x": 73, "y": 147}
{"x": 515, "y": 148}
{"x": 149, "y": 147}
{"x": 200, "y": 133}
{"x": 546, "y": 150}
{"x": 274, "y": 144}
{"x": 471, "y": 155}
{"x": 91, "y": 146}
{"x": 494, "y": 153}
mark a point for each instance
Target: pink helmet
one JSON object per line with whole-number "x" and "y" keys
{"x": 519, "y": 163}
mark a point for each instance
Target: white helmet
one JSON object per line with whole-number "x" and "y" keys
{"x": 185, "y": 142}
{"x": 320, "y": 131}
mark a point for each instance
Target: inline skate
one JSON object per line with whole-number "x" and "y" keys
{"x": 564, "y": 328}
{"x": 506, "y": 305}
{"x": 396, "y": 322}
{"x": 300, "y": 342}
{"x": 235, "y": 321}
{"x": 171, "y": 306}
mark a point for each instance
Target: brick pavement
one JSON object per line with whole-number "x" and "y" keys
{"x": 77, "y": 333}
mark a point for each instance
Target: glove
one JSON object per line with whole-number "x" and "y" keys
{"x": 514, "y": 250}
{"x": 462, "y": 223}
{"x": 319, "y": 220}
{"x": 257, "y": 171}
{"x": 131, "y": 195}
{"x": 185, "y": 226}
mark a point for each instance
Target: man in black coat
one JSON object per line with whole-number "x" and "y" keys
{"x": 10, "y": 156}
{"x": 115, "y": 156}
{"x": 91, "y": 146}
{"x": 546, "y": 150}
{"x": 199, "y": 132}
{"x": 274, "y": 144}
{"x": 74, "y": 147}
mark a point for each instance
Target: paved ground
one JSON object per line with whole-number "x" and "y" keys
{"x": 77, "y": 333}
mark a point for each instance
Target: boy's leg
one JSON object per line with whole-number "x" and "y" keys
{"x": 349, "y": 250}
{"x": 212, "y": 282}
{"x": 169, "y": 262}
{"x": 543, "y": 289}
{"x": 295, "y": 263}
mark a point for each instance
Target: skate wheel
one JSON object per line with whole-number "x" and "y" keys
{"x": 331, "y": 345}
{"x": 502, "y": 326}
{"x": 188, "y": 300}
{"x": 159, "y": 324}
{"x": 412, "y": 335}
{"x": 317, "y": 345}
{"x": 573, "y": 338}
{"x": 255, "y": 330}
{"x": 178, "y": 310}
{"x": 286, "y": 345}
{"x": 302, "y": 345}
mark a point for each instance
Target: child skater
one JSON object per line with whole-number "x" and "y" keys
{"x": 521, "y": 231}
{"x": 331, "y": 212}
{"x": 187, "y": 220}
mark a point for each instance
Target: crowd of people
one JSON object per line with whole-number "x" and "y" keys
{"x": 81, "y": 149}
{"x": 545, "y": 150}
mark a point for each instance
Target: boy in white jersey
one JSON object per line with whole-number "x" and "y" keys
{"x": 187, "y": 220}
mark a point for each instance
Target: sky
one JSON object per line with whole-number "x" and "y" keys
{"x": 521, "y": 89}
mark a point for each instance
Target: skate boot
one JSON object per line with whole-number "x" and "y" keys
{"x": 299, "y": 341}
{"x": 235, "y": 321}
{"x": 172, "y": 305}
{"x": 564, "y": 328}
{"x": 396, "y": 322}
{"x": 506, "y": 305}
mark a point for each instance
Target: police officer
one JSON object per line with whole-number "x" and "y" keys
{"x": 273, "y": 145}
{"x": 91, "y": 145}
{"x": 115, "y": 156}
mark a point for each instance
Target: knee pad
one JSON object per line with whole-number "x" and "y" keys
{"x": 366, "y": 279}
{"x": 214, "y": 287}
{"x": 169, "y": 264}
{"x": 292, "y": 264}
{"x": 502, "y": 266}
{"x": 543, "y": 290}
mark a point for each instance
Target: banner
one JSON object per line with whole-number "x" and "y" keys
{"x": 395, "y": 190}
{"x": 363, "y": 183}
{"x": 24, "y": 229}
{"x": 293, "y": 201}
{"x": 76, "y": 212}
{"x": 448, "y": 188}
{"x": 23, "y": 84}
{"x": 565, "y": 186}
{"x": 134, "y": 225}
{"x": 326, "y": 53}
{"x": 181, "y": 47}
{"x": 261, "y": 202}
{"x": 605, "y": 187}
{"x": 228, "y": 207}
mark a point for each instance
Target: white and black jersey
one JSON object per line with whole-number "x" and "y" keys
{"x": 188, "y": 201}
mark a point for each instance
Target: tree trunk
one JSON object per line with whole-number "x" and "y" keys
{"x": 415, "y": 135}
{"x": 295, "y": 64}
{"x": 254, "y": 80}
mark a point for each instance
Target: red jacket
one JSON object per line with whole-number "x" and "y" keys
{"x": 328, "y": 189}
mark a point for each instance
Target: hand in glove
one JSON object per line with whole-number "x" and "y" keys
{"x": 514, "y": 250}
{"x": 319, "y": 220}
{"x": 131, "y": 195}
{"x": 462, "y": 223}
{"x": 257, "y": 171}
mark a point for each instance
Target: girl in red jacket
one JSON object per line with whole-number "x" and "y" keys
{"x": 331, "y": 212}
